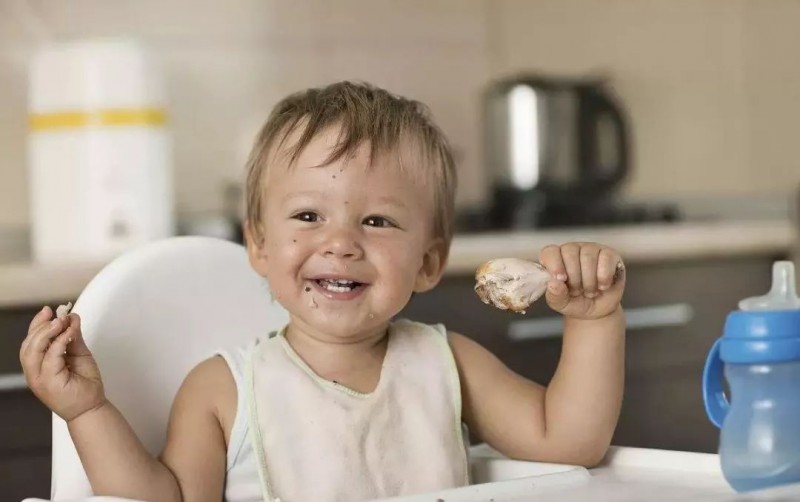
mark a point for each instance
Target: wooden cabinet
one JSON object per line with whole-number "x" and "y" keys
{"x": 25, "y": 433}
{"x": 25, "y": 441}
{"x": 677, "y": 309}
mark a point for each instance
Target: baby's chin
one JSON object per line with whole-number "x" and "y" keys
{"x": 347, "y": 329}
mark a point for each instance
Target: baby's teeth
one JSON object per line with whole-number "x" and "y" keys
{"x": 338, "y": 286}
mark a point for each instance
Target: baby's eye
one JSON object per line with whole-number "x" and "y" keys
{"x": 307, "y": 216}
{"x": 378, "y": 221}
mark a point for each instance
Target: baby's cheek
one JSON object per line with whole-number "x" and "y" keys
{"x": 288, "y": 249}
{"x": 404, "y": 277}
{"x": 396, "y": 300}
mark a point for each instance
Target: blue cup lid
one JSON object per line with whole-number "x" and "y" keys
{"x": 767, "y": 328}
{"x": 761, "y": 337}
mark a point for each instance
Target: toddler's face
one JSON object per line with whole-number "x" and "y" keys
{"x": 346, "y": 243}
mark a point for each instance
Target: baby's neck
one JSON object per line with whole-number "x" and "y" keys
{"x": 355, "y": 365}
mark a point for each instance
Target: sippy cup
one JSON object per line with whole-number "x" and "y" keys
{"x": 759, "y": 353}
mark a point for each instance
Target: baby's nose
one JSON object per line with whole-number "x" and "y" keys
{"x": 342, "y": 243}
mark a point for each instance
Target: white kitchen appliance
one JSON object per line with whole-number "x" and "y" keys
{"x": 99, "y": 156}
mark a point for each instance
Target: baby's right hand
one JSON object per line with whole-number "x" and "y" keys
{"x": 58, "y": 366}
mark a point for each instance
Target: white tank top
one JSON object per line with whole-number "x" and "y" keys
{"x": 242, "y": 482}
{"x": 316, "y": 440}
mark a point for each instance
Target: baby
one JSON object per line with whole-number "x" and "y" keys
{"x": 350, "y": 195}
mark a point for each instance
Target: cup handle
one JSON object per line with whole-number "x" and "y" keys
{"x": 713, "y": 392}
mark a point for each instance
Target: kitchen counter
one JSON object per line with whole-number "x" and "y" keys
{"x": 24, "y": 283}
{"x": 636, "y": 243}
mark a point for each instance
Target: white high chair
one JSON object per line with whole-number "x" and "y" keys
{"x": 149, "y": 317}
{"x": 156, "y": 311}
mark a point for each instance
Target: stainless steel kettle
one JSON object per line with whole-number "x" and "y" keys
{"x": 553, "y": 147}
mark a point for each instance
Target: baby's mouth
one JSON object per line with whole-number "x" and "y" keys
{"x": 338, "y": 285}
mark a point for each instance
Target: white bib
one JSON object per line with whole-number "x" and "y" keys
{"x": 317, "y": 441}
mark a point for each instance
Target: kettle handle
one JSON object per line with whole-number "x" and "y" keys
{"x": 713, "y": 392}
{"x": 595, "y": 104}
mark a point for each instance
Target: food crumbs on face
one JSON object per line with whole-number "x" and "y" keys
{"x": 312, "y": 303}
{"x": 63, "y": 310}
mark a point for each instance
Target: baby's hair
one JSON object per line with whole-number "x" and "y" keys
{"x": 364, "y": 114}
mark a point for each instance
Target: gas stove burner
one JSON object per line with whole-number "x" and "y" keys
{"x": 522, "y": 218}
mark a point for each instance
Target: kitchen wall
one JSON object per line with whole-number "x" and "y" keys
{"x": 13, "y": 54}
{"x": 712, "y": 86}
{"x": 773, "y": 91}
{"x": 712, "y": 90}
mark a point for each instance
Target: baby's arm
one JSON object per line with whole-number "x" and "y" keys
{"x": 192, "y": 466}
{"x": 573, "y": 419}
{"x": 114, "y": 459}
{"x": 196, "y": 449}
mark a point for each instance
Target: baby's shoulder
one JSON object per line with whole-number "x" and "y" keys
{"x": 210, "y": 380}
{"x": 213, "y": 371}
{"x": 209, "y": 387}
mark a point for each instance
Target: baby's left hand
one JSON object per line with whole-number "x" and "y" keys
{"x": 589, "y": 279}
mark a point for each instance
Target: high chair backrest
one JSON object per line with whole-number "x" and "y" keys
{"x": 148, "y": 318}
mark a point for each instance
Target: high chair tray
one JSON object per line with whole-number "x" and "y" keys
{"x": 626, "y": 475}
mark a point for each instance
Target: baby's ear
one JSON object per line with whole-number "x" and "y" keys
{"x": 433, "y": 264}
{"x": 256, "y": 248}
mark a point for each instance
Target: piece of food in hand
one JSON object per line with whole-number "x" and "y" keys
{"x": 63, "y": 310}
{"x": 511, "y": 283}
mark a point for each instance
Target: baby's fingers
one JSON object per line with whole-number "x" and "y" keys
{"x": 589, "y": 258}
{"x": 39, "y": 320}
{"x": 42, "y": 338}
{"x": 571, "y": 254}
{"x": 557, "y": 295}
{"x": 550, "y": 258}
{"x": 54, "y": 361}
{"x": 42, "y": 317}
{"x": 609, "y": 269}
{"x": 36, "y": 345}
{"x": 78, "y": 346}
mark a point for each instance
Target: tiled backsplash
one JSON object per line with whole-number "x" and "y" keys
{"x": 711, "y": 86}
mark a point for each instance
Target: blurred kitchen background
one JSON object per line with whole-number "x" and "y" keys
{"x": 709, "y": 92}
